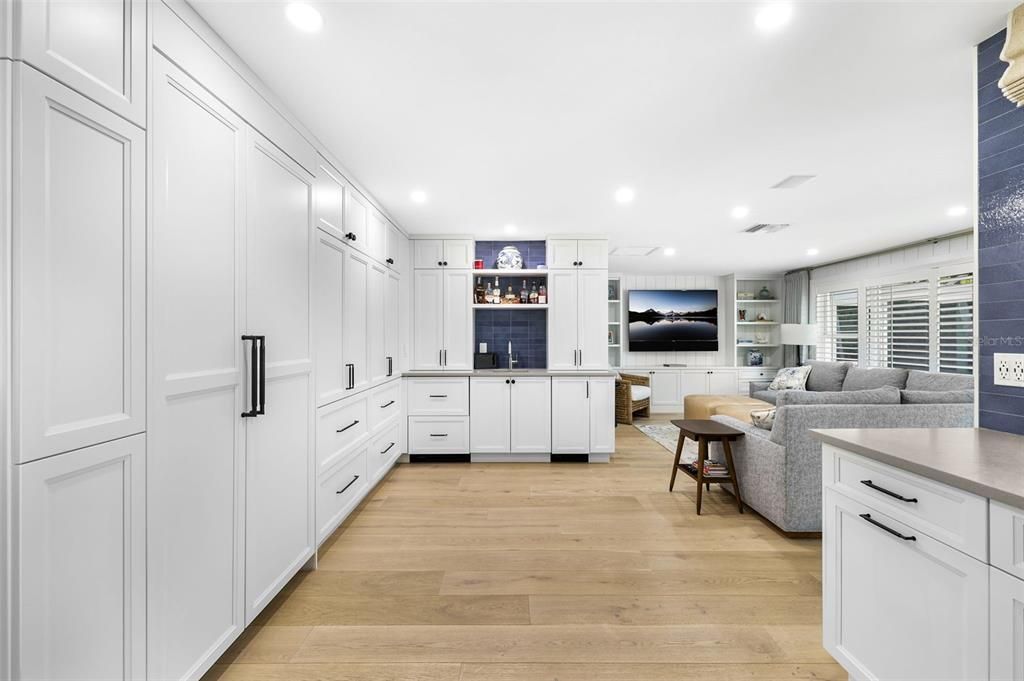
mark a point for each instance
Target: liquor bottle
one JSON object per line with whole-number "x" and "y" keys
{"x": 510, "y": 297}
{"x": 496, "y": 292}
{"x": 542, "y": 296}
{"x": 533, "y": 295}
{"x": 479, "y": 296}
{"x": 524, "y": 294}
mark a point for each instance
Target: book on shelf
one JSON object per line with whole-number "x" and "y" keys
{"x": 712, "y": 469}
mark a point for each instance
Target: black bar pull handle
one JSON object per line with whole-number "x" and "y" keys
{"x": 351, "y": 425}
{"x": 868, "y": 483}
{"x": 439, "y": 435}
{"x": 867, "y": 517}
{"x": 388, "y": 448}
{"x": 387, "y": 404}
{"x": 441, "y": 396}
{"x": 351, "y": 482}
{"x": 351, "y": 376}
{"x": 391, "y": 365}
{"x": 263, "y": 375}
{"x": 254, "y": 378}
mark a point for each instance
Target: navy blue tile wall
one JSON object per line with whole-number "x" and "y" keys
{"x": 534, "y": 252}
{"x": 527, "y": 329}
{"x": 1000, "y": 238}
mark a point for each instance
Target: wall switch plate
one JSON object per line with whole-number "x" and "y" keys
{"x": 1009, "y": 369}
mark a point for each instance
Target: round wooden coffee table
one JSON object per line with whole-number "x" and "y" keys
{"x": 703, "y": 432}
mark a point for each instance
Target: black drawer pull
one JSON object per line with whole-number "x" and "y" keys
{"x": 342, "y": 490}
{"x": 867, "y": 517}
{"x": 868, "y": 483}
{"x": 439, "y": 435}
{"x": 388, "y": 448}
{"x": 385, "y": 406}
{"x": 439, "y": 396}
{"x": 342, "y": 430}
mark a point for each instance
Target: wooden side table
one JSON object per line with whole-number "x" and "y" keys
{"x": 703, "y": 432}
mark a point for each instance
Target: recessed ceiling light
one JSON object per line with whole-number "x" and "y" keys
{"x": 740, "y": 212}
{"x": 957, "y": 211}
{"x": 304, "y": 17}
{"x": 418, "y": 196}
{"x": 624, "y": 195}
{"x": 773, "y": 16}
{"x": 669, "y": 251}
{"x": 812, "y": 251}
{"x": 510, "y": 229}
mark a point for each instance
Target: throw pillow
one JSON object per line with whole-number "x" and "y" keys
{"x": 790, "y": 378}
{"x": 763, "y": 418}
{"x": 826, "y": 376}
{"x": 866, "y": 379}
{"x": 877, "y": 396}
{"x": 929, "y": 380}
{"x": 937, "y": 396}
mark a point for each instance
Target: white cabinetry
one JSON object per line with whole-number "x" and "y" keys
{"x": 357, "y": 220}
{"x": 97, "y": 47}
{"x": 80, "y": 544}
{"x": 356, "y": 311}
{"x": 452, "y": 253}
{"x": 510, "y": 415}
{"x": 79, "y": 267}
{"x": 669, "y": 386}
{"x": 376, "y": 321}
{"x": 377, "y": 235}
{"x": 443, "y": 319}
{"x": 589, "y": 254}
{"x": 332, "y": 376}
{"x": 396, "y": 249}
{"x": 583, "y": 415}
{"x": 1006, "y": 626}
{"x": 578, "y": 319}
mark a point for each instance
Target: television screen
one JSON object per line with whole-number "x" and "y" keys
{"x": 665, "y": 321}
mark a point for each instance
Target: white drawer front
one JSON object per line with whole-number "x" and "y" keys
{"x": 1006, "y": 539}
{"x": 756, "y": 374}
{"x": 382, "y": 452}
{"x": 438, "y": 435}
{"x": 339, "y": 426}
{"x": 438, "y": 396}
{"x": 954, "y": 517}
{"x": 384, "y": 404}
{"x": 338, "y": 492}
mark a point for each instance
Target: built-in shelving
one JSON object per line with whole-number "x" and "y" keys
{"x": 517, "y": 306}
{"x": 510, "y": 273}
{"x": 762, "y": 336}
{"x": 615, "y": 330}
{"x": 757, "y": 300}
{"x": 757, "y": 323}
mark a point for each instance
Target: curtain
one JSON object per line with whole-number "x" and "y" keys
{"x": 796, "y": 310}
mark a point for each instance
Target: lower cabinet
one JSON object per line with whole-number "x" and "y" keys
{"x": 439, "y": 435}
{"x": 339, "y": 491}
{"x": 669, "y": 386}
{"x": 1006, "y": 626}
{"x": 80, "y": 544}
{"x": 510, "y": 415}
{"x": 583, "y": 415}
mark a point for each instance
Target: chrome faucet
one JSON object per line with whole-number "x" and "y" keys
{"x": 513, "y": 361}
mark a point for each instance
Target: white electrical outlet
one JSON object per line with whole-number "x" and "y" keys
{"x": 1009, "y": 369}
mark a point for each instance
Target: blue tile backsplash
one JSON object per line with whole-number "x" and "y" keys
{"x": 534, "y": 252}
{"x": 526, "y": 328}
{"x": 1000, "y": 238}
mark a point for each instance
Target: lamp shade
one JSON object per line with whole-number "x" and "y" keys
{"x": 799, "y": 334}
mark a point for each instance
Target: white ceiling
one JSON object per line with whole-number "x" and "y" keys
{"x": 535, "y": 113}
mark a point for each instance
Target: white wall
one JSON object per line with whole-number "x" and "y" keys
{"x": 682, "y": 281}
{"x": 912, "y": 258}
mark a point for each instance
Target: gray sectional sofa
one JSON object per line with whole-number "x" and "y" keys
{"x": 780, "y": 469}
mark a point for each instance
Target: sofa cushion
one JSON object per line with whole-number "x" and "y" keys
{"x": 826, "y": 376}
{"x": 763, "y": 418}
{"x": 937, "y": 396}
{"x": 769, "y": 396}
{"x": 639, "y": 392}
{"x": 866, "y": 379}
{"x": 886, "y": 395}
{"x": 930, "y": 380}
{"x": 790, "y": 378}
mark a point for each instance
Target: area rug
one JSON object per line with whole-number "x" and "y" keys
{"x": 667, "y": 435}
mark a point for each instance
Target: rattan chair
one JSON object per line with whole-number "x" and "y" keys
{"x": 625, "y": 405}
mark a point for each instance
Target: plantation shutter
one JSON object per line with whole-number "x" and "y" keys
{"x": 838, "y": 326}
{"x": 954, "y": 301}
{"x": 899, "y": 325}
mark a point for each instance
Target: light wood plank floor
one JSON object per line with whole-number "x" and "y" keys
{"x": 545, "y": 572}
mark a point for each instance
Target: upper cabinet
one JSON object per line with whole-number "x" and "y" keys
{"x": 330, "y": 199}
{"x": 377, "y": 236}
{"x": 357, "y": 219}
{"x": 79, "y": 235}
{"x": 97, "y": 47}
{"x": 396, "y": 249}
{"x": 588, "y": 254}
{"x": 450, "y": 253}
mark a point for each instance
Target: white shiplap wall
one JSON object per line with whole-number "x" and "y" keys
{"x": 912, "y": 258}
{"x": 693, "y": 359}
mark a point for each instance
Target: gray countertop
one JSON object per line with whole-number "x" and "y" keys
{"x": 985, "y": 462}
{"x": 505, "y": 372}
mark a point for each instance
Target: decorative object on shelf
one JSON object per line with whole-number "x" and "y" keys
{"x": 510, "y": 259}
{"x": 1012, "y": 81}
{"x": 541, "y": 266}
{"x": 611, "y": 291}
{"x": 478, "y": 264}
{"x": 755, "y": 358}
{"x": 762, "y": 317}
{"x": 741, "y": 315}
{"x": 764, "y": 294}
{"x": 744, "y": 295}
{"x": 744, "y": 341}
{"x": 761, "y": 338}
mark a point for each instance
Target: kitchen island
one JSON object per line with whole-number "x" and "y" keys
{"x": 923, "y": 552}
{"x": 506, "y": 415}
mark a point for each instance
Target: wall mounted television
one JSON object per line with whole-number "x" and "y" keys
{"x": 673, "y": 321}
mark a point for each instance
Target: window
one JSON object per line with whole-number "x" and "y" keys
{"x": 838, "y": 326}
{"x": 954, "y": 299}
{"x": 899, "y": 325}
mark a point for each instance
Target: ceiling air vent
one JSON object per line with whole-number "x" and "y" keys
{"x": 766, "y": 228}
{"x": 633, "y": 251}
{"x": 793, "y": 181}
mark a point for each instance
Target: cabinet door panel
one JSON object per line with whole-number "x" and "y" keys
{"x": 602, "y": 415}
{"x": 561, "y": 254}
{"x": 395, "y": 251}
{"x": 428, "y": 311}
{"x": 563, "y": 319}
{"x": 593, "y": 254}
{"x": 458, "y": 320}
{"x": 81, "y": 552}
{"x": 376, "y": 236}
{"x": 330, "y": 199}
{"x": 665, "y": 390}
{"x": 280, "y": 532}
{"x": 328, "y": 309}
{"x": 593, "y": 319}
{"x": 1006, "y": 626}
{"x": 357, "y": 318}
{"x": 97, "y": 47}
{"x": 376, "y": 313}
{"x": 458, "y": 253}
{"x": 898, "y": 609}
{"x": 722, "y": 383}
{"x": 79, "y": 265}
{"x": 392, "y": 326}
{"x": 570, "y": 416}
{"x": 357, "y": 216}
{"x": 531, "y": 415}
{"x": 489, "y": 406}
{"x": 195, "y": 435}
{"x": 427, "y": 253}
{"x": 693, "y": 382}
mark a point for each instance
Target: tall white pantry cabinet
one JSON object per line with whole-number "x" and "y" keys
{"x": 160, "y": 476}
